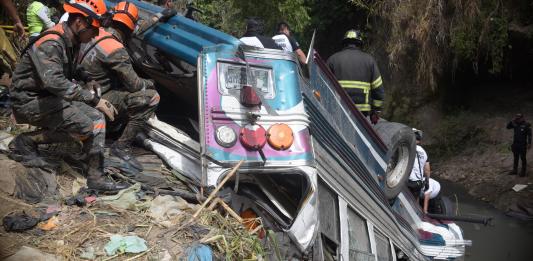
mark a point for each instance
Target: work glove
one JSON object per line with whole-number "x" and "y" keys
{"x": 107, "y": 108}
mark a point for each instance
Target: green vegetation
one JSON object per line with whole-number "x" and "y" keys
{"x": 230, "y": 15}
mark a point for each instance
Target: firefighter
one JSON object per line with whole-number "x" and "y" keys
{"x": 106, "y": 60}
{"x": 521, "y": 142}
{"x": 44, "y": 95}
{"x": 358, "y": 74}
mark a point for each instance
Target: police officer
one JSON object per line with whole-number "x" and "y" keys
{"x": 521, "y": 142}
{"x": 44, "y": 95}
{"x": 358, "y": 73}
{"x": 107, "y": 62}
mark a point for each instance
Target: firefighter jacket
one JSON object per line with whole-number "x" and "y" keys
{"x": 358, "y": 74}
{"x": 47, "y": 69}
{"x": 106, "y": 60}
{"x": 522, "y": 134}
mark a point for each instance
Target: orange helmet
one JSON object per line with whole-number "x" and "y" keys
{"x": 126, "y": 13}
{"x": 92, "y": 9}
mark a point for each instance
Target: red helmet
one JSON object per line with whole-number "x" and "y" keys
{"x": 126, "y": 13}
{"x": 92, "y": 9}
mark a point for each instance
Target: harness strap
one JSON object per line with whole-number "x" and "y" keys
{"x": 94, "y": 45}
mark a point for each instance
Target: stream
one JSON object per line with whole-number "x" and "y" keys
{"x": 508, "y": 239}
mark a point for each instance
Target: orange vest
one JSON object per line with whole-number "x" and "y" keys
{"x": 57, "y": 28}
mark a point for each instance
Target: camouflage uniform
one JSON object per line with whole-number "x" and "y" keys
{"x": 108, "y": 63}
{"x": 43, "y": 95}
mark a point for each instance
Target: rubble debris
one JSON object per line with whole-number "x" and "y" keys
{"x": 124, "y": 199}
{"x": 31, "y": 254}
{"x": 5, "y": 139}
{"x": 519, "y": 187}
{"x": 35, "y": 184}
{"x": 51, "y": 224}
{"x": 88, "y": 253}
{"x": 19, "y": 222}
{"x": 165, "y": 209}
{"x": 125, "y": 244}
{"x": 183, "y": 165}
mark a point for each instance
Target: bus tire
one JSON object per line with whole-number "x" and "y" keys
{"x": 400, "y": 156}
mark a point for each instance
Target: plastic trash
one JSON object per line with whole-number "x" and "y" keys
{"x": 519, "y": 187}
{"x": 18, "y": 222}
{"x": 164, "y": 208}
{"x": 124, "y": 199}
{"x": 199, "y": 252}
{"x": 125, "y": 244}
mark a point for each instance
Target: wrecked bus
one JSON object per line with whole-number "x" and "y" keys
{"x": 315, "y": 170}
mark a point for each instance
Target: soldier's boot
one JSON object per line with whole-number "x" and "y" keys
{"x": 95, "y": 176}
{"x": 122, "y": 147}
{"x": 24, "y": 147}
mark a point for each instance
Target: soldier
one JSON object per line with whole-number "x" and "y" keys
{"x": 44, "y": 95}
{"x": 107, "y": 62}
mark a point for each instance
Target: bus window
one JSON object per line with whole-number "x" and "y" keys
{"x": 359, "y": 240}
{"x": 383, "y": 247}
{"x": 328, "y": 206}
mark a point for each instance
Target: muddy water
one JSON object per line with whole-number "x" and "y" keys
{"x": 508, "y": 239}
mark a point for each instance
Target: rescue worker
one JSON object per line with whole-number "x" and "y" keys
{"x": 521, "y": 142}
{"x": 432, "y": 191}
{"x": 106, "y": 60}
{"x": 421, "y": 169}
{"x": 288, "y": 43}
{"x": 44, "y": 95}
{"x": 358, "y": 74}
{"x": 254, "y": 35}
{"x": 38, "y": 17}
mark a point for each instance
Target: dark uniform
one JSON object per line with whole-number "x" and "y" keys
{"x": 358, "y": 74}
{"x": 521, "y": 142}
{"x": 43, "y": 95}
{"x": 135, "y": 99}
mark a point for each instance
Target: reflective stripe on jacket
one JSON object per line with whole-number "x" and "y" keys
{"x": 359, "y": 75}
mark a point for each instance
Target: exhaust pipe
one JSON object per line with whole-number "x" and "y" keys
{"x": 478, "y": 220}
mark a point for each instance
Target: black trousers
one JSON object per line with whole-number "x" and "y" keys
{"x": 519, "y": 153}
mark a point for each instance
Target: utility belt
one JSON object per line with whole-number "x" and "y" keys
{"x": 415, "y": 185}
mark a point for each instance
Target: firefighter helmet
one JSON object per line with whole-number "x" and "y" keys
{"x": 91, "y": 9}
{"x": 354, "y": 36}
{"x": 127, "y": 14}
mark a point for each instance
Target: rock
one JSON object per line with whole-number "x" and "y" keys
{"x": 31, "y": 254}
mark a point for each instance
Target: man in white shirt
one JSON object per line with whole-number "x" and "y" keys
{"x": 287, "y": 42}
{"x": 254, "y": 35}
{"x": 430, "y": 193}
{"x": 421, "y": 169}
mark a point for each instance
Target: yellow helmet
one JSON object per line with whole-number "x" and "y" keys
{"x": 353, "y": 35}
